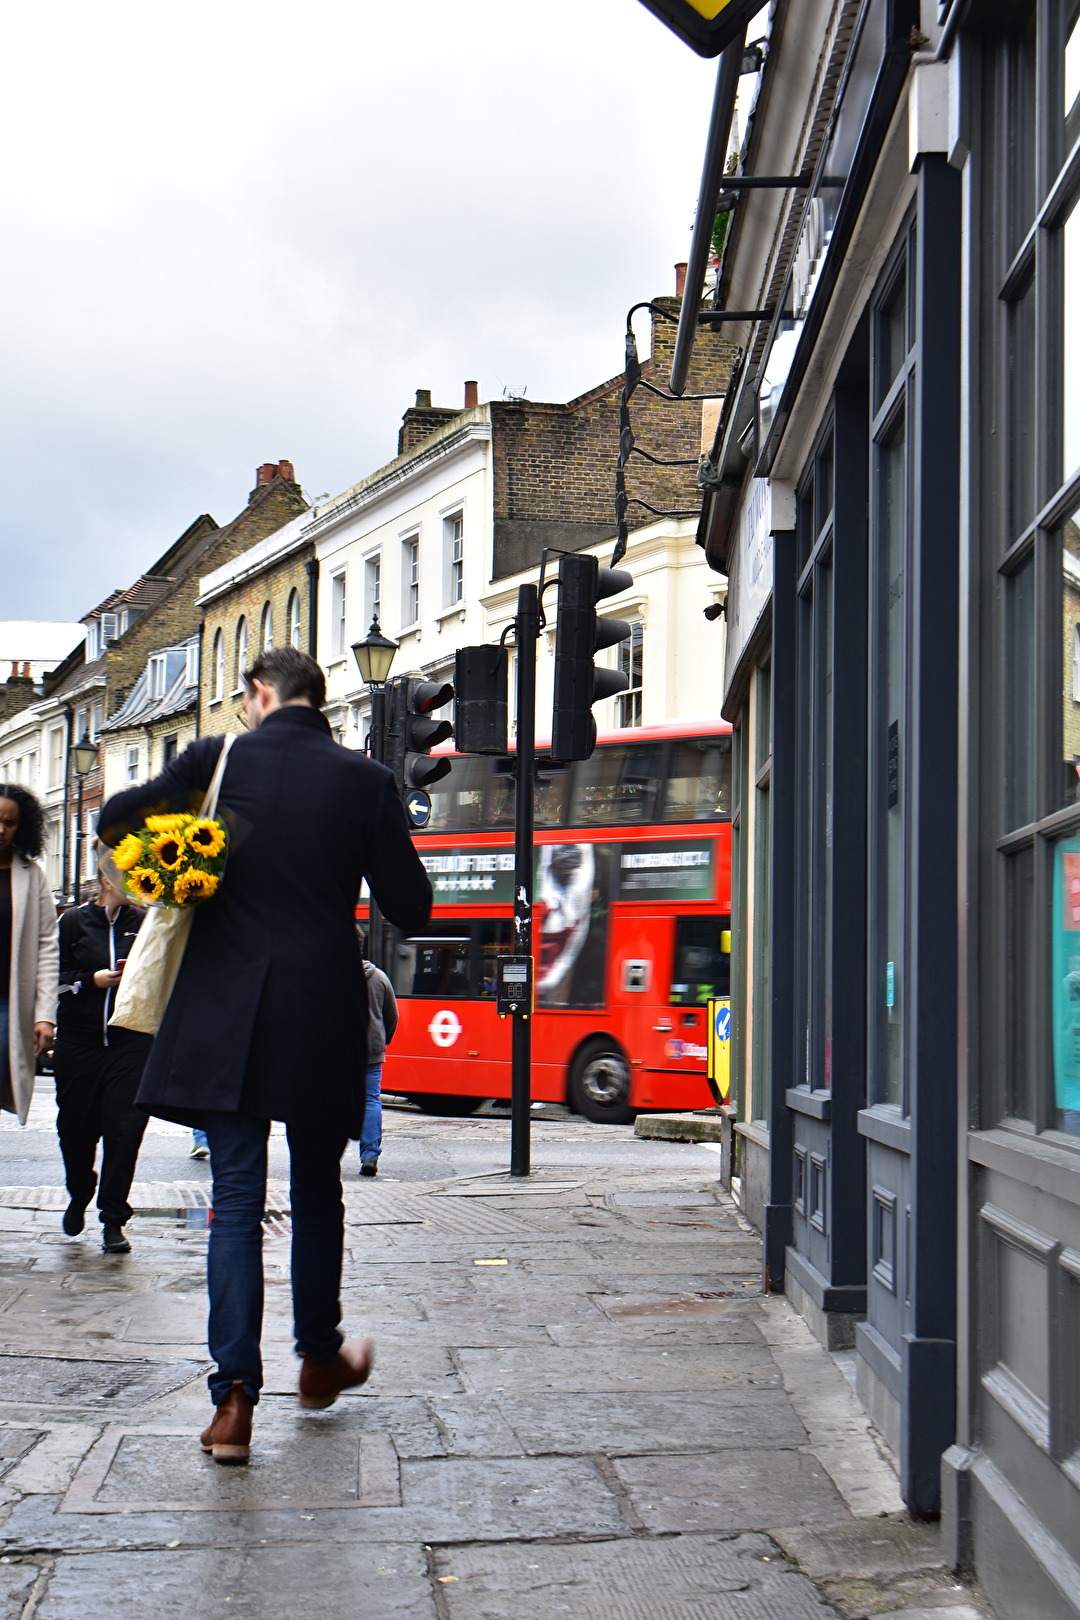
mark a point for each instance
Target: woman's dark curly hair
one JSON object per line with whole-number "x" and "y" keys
{"x": 30, "y": 838}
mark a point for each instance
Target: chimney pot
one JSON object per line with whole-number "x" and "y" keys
{"x": 265, "y": 473}
{"x": 472, "y": 395}
{"x": 285, "y": 468}
{"x": 423, "y": 399}
{"x": 680, "y": 278}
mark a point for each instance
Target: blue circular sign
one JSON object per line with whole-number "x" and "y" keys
{"x": 418, "y": 807}
{"x": 723, "y": 1023}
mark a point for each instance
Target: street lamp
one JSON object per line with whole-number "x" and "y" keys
{"x": 374, "y": 656}
{"x": 85, "y": 755}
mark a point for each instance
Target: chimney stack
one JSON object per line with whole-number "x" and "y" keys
{"x": 680, "y": 279}
{"x": 472, "y": 397}
{"x": 265, "y": 473}
{"x": 285, "y": 468}
{"x": 423, "y": 399}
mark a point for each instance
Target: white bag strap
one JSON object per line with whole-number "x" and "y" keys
{"x": 210, "y": 802}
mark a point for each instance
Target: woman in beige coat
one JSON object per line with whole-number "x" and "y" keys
{"x": 29, "y": 952}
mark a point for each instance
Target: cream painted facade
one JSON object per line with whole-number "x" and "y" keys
{"x": 34, "y": 752}
{"x": 415, "y": 539}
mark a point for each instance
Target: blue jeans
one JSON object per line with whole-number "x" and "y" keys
{"x": 371, "y": 1135}
{"x": 234, "y": 1265}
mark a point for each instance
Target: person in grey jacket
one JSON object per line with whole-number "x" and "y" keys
{"x": 382, "y": 1022}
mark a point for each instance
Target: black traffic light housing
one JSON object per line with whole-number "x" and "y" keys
{"x": 480, "y": 707}
{"x": 579, "y": 635}
{"x": 413, "y": 733}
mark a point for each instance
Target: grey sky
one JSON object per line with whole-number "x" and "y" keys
{"x": 239, "y": 232}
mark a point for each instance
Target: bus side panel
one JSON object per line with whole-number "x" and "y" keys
{"x": 666, "y": 1045}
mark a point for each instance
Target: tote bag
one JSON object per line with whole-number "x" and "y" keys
{"x": 143, "y": 992}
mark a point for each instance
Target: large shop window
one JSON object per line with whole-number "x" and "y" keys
{"x": 1032, "y": 497}
{"x": 814, "y": 900}
{"x": 893, "y": 358}
{"x": 761, "y": 833}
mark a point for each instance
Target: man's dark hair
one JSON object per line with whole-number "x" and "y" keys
{"x": 292, "y": 673}
{"x": 30, "y": 838}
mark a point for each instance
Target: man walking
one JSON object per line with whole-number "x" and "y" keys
{"x": 268, "y": 1020}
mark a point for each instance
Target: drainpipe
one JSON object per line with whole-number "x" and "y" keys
{"x": 313, "y": 606}
{"x": 198, "y": 688}
{"x": 66, "y": 848}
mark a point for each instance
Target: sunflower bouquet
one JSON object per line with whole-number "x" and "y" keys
{"x": 174, "y": 861}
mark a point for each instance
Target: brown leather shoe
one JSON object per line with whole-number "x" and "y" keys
{"x": 321, "y": 1382}
{"x": 228, "y": 1437}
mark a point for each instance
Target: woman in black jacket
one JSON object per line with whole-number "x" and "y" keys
{"x": 98, "y": 1066}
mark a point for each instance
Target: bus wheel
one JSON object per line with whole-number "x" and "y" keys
{"x": 452, "y": 1107}
{"x": 600, "y": 1084}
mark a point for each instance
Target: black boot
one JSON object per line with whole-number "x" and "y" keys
{"x": 113, "y": 1240}
{"x": 75, "y": 1215}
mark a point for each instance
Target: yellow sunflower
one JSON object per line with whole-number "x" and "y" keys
{"x": 165, "y": 824}
{"x": 145, "y": 882}
{"x": 168, "y": 848}
{"x": 191, "y": 887}
{"x": 206, "y": 838}
{"x": 127, "y": 852}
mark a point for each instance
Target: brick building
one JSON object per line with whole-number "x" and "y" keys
{"x": 262, "y": 598}
{"x": 433, "y": 541}
{"x": 40, "y": 724}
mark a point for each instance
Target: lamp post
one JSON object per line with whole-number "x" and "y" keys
{"x": 374, "y": 656}
{"x": 85, "y": 755}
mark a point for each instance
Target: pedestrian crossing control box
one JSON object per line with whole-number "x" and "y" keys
{"x": 513, "y": 985}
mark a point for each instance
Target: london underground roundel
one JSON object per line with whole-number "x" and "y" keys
{"x": 445, "y": 1027}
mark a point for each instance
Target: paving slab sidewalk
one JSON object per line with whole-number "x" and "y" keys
{"x": 582, "y": 1407}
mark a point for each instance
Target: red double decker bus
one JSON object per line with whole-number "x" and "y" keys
{"x": 632, "y": 903}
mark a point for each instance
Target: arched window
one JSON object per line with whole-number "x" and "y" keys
{"x": 218, "y": 690}
{"x": 241, "y": 652}
{"x": 292, "y": 619}
{"x": 266, "y": 628}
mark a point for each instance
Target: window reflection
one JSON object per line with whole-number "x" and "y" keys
{"x": 617, "y": 785}
{"x": 1070, "y": 661}
{"x": 699, "y": 786}
{"x": 549, "y": 797}
{"x": 1065, "y": 984}
{"x": 701, "y": 967}
{"x": 1071, "y": 416}
{"x": 436, "y": 963}
{"x": 1020, "y": 696}
{"x": 457, "y": 800}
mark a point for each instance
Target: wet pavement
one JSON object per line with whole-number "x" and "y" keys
{"x": 582, "y": 1406}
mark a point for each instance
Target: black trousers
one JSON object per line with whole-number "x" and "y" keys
{"x": 95, "y": 1095}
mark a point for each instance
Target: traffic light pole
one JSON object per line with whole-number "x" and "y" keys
{"x": 526, "y": 634}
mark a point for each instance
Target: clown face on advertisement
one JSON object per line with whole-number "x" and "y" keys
{"x": 571, "y": 880}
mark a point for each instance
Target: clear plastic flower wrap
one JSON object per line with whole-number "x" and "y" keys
{"x": 173, "y": 861}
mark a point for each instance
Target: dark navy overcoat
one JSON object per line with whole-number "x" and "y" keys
{"x": 269, "y": 1013}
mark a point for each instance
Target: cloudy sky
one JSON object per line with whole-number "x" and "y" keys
{"x": 237, "y": 232}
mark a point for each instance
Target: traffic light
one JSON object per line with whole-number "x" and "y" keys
{"x": 413, "y": 732}
{"x": 579, "y": 634}
{"x": 480, "y": 708}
